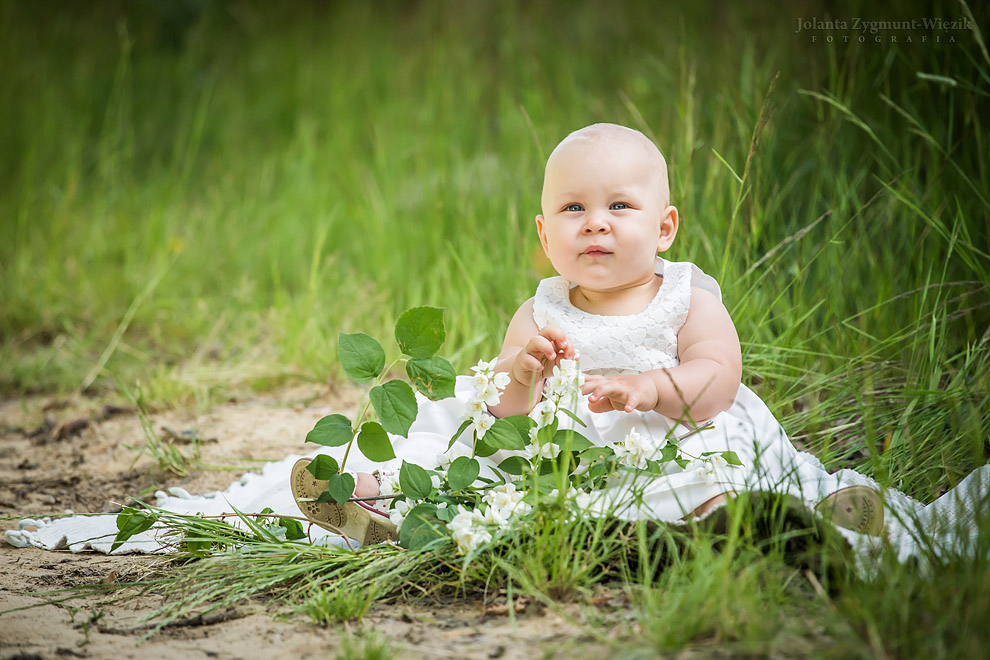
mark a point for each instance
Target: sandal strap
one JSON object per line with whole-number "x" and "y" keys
{"x": 379, "y": 507}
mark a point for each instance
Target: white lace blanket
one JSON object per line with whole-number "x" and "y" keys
{"x": 943, "y": 529}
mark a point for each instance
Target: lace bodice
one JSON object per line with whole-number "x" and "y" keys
{"x": 612, "y": 345}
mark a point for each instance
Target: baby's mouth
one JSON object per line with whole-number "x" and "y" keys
{"x": 596, "y": 251}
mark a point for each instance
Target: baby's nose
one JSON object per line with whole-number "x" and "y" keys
{"x": 595, "y": 224}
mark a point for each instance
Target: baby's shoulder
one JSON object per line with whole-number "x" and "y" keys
{"x": 701, "y": 295}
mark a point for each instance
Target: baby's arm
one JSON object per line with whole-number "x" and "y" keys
{"x": 528, "y": 355}
{"x": 701, "y": 386}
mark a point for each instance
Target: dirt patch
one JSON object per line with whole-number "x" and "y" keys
{"x": 71, "y": 454}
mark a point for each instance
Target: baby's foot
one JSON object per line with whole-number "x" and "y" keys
{"x": 362, "y": 521}
{"x": 366, "y": 485}
{"x": 857, "y": 508}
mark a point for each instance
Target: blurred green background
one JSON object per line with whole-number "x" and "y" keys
{"x": 199, "y": 195}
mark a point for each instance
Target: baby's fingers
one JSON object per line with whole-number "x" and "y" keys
{"x": 591, "y": 383}
{"x": 602, "y": 389}
{"x": 541, "y": 348}
{"x": 562, "y": 347}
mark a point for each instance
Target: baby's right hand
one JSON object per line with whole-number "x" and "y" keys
{"x": 540, "y": 354}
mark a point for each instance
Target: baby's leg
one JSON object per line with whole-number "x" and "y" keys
{"x": 366, "y": 485}
{"x": 710, "y": 504}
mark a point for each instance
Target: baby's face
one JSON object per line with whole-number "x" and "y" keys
{"x": 605, "y": 213}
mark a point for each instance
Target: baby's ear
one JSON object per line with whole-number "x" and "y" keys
{"x": 543, "y": 234}
{"x": 668, "y": 228}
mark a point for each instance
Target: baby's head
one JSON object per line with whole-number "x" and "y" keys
{"x": 606, "y": 185}
{"x": 590, "y": 141}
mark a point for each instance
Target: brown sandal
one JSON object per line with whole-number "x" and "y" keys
{"x": 857, "y": 508}
{"x": 356, "y": 520}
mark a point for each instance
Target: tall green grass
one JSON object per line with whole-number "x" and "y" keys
{"x": 200, "y": 196}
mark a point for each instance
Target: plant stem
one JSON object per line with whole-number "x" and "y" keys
{"x": 364, "y": 412}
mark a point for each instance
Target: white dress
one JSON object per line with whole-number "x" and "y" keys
{"x": 608, "y": 345}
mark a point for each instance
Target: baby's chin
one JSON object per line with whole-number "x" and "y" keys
{"x": 608, "y": 283}
{"x": 603, "y": 277}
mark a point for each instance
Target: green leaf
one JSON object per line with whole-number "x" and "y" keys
{"x": 420, "y": 332}
{"x": 462, "y": 472}
{"x": 507, "y": 433}
{"x": 395, "y": 403}
{"x": 414, "y": 481}
{"x": 571, "y": 440}
{"x": 421, "y": 527}
{"x": 546, "y": 434}
{"x": 196, "y": 548}
{"x": 523, "y": 424}
{"x": 323, "y": 467}
{"x": 514, "y": 465}
{"x": 434, "y": 376}
{"x": 595, "y": 453}
{"x": 361, "y": 356}
{"x": 731, "y": 457}
{"x": 573, "y": 416}
{"x": 668, "y": 453}
{"x": 446, "y": 514}
{"x": 341, "y": 487}
{"x": 460, "y": 429}
{"x": 131, "y": 521}
{"x": 331, "y": 431}
{"x": 374, "y": 443}
{"x": 597, "y": 471}
{"x": 482, "y": 448}
{"x": 293, "y": 529}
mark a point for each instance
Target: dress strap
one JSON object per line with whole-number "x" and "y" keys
{"x": 699, "y": 278}
{"x": 551, "y": 294}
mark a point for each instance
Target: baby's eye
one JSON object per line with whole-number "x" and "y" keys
{"x": 619, "y": 206}
{"x": 573, "y": 208}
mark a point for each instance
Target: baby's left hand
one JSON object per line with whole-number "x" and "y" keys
{"x": 626, "y": 393}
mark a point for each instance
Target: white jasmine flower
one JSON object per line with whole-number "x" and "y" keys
{"x": 480, "y": 381}
{"x": 471, "y": 538}
{"x": 556, "y": 385}
{"x": 435, "y": 480}
{"x": 489, "y": 394}
{"x": 465, "y": 518}
{"x": 706, "y": 470}
{"x": 502, "y": 496}
{"x": 543, "y": 413}
{"x": 467, "y": 530}
{"x": 637, "y": 450}
{"x": 485, "y": 368}
{"x": 481, "y": 423}
{"x": 709, "y": 477}
{"x": 389, "y": 483}
{"x": 502, "y": 380}
{"x": 496, "y": 516}
{"x": 583, "y": 500}
{"x": 570, "y": 371}
{"x": 398, "y": 512}
{"x": 534, "y": 450}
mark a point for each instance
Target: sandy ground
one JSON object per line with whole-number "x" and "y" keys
{"x": 70, "y": 454}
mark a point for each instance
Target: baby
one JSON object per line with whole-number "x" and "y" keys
{"x": 606, "y": 216}
{"x": 658, "y": 349}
